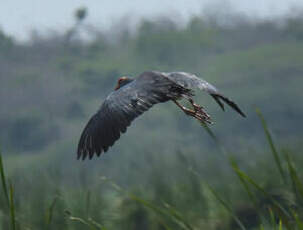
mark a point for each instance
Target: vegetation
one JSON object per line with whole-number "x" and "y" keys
{"x": 167, "y": 172}
{"x": 189, "y": 201}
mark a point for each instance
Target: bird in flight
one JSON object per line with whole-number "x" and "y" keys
{"x": 133, "y": 96}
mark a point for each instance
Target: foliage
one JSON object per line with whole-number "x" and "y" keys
{"x": 109, "y": 206}
{"x": 168, "y": 172}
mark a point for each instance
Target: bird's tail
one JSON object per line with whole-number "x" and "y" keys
{"x": 232, "y": 104}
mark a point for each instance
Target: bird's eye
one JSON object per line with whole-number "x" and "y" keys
{"x": 122, "y": 79}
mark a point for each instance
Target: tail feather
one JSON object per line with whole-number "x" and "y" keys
{"x": 232, "y": 104}
{"x": 218, "y": 101}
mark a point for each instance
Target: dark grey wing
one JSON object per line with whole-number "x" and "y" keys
{"x": 190, "y": 81}
{"x": 121, "y": 107}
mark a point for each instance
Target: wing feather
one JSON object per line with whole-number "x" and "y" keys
{"x": 121, "y": 107}
{"x": 188, "y": 80}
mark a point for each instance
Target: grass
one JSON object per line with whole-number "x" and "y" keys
{"x": 3, "y": 181}
{"x": 9, "y": 197}
{"x": 190, "y": 202}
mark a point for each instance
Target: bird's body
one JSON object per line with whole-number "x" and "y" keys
{"x": 132, "y": 97}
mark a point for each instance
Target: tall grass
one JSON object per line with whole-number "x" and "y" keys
{"x": 9, "y": 196}
{"x": 3, "y": 181}
{"x": 189, "y": 202}
{"x": 287, "y": 217}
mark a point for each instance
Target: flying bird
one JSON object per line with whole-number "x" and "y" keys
{"x": 134, "y": 96}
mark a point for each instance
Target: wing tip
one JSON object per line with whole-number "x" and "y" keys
{"x": 83, "y": 154}
{"x": 232, "y": 104}
{"x": 218, "y": 101}
{"x": 242, "y": 114}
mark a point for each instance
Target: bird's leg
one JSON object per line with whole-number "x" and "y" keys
{"x": 184, "y": 109}
{"x": 197, "y": 113}
{"x": 200, "y": 110}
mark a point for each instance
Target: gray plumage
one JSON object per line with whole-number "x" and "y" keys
{"x": 136, "y": 96}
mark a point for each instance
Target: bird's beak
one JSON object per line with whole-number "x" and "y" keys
{"x": 117, "y": 86}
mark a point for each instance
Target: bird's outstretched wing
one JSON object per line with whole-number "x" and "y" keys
{"x": 191, "y": 81}
{"x": 121, "y": 107}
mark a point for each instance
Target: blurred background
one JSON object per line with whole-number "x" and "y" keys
{"x": 59, "y": 60}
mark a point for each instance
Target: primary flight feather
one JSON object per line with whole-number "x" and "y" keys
{"x": 133, "y": 96}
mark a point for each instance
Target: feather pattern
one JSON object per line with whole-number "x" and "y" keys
{"x": 135, "y": 97}
{"x": 121, "y": 107}
{"x": 188, "y": 80}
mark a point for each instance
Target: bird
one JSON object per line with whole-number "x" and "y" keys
{"x": 134, "y": 96}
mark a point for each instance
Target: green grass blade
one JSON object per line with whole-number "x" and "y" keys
{"x": 164, "y": 225}
{"x": 88, "y": 199}
{"x": 177, "y": 215}
{"x": 80, "y": 220}
{"x": 280, "y": 225}
{"x": 96, "y": 224}
{"x": 247, "y": 188}
{"x": 298, "y": 221}
{"x": 161, "y": 212}
{"x": 50, "y": 212}
{"x": 147, "y": 204}
{"x": 215, "y": 138}
{"x": 271, "y": 144}
{"x": 297, "y": 184}
{"x": 272, "y": 218}
{"x": 12, "y": 207}
{"x": 227, "y": 207}
{"x": 221, "y": 201}
{"x": 251, "y": 195}
{"x": 210, "y": 132}
{"x": 259, "y": 188}
{"x": 3, "y": 181}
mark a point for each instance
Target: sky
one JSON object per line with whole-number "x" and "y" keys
{"x": 20, "y": 17}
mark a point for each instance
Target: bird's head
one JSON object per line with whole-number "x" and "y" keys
{"x": 122, "y": 81}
